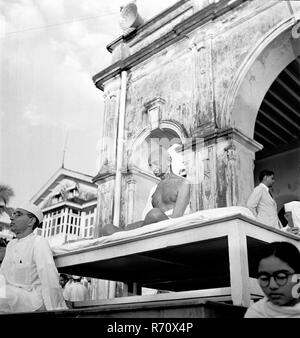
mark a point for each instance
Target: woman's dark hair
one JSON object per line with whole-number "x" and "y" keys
{"x": 264, "y": 173}
{"x": 285, "y": 251}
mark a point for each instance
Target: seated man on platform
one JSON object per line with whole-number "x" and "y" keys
{"x": 29, "y": 279}
{"x": 168, "y": 199}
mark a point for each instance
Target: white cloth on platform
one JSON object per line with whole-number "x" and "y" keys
{"x": 31, "y": 277}
{"x": 294, "y": 208}
{"x": 170, "y": 212}
{"x": 263, "y": 206}
{"x": 196, "y": 218}
{"x": 265, "y": 309}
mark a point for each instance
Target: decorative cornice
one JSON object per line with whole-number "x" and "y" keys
{"x": 179, "y": 31}
{"x": 103, "y": 177}
{"x": 157, "y": 101}
{"x": 133, "y": 170}
{"x": 220, "y": 135}
{"x": 70, "y": 204}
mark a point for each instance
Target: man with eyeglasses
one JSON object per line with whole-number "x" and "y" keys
{"x": 28, "y": 269}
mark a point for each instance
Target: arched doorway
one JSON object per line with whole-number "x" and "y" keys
{"x": 272, "y": 54}
{"x": 277, "y": 128}
{"x": 168, "y": 134}
{"x": 273, "y": 61}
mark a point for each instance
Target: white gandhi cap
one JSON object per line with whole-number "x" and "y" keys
{"x": 35, "y": 210}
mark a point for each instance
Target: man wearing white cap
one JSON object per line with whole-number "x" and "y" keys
{"x": 28, "y": 268}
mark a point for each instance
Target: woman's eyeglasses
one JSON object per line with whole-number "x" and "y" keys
{"x": 280, "y": 277}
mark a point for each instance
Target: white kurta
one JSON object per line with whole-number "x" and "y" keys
{"x": 32, "y": 280}
{"x": 265, "y": 309}
{"x": 76, "y": 292}
{"x": 263, "y": 206}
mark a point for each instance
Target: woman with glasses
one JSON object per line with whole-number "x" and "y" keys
{"x": 279, "y": 277}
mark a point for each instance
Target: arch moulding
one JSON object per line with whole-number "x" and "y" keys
{"x": 269, "y": 57}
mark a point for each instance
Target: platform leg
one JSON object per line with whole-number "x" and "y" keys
{"x": 238, "y": 266}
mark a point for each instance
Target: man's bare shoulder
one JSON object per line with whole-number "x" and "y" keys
{"x": 180, "y": 179}
{"x": 182, "y": 183}
{"x": 174, "y": 180}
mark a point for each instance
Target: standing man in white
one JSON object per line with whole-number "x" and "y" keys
{"x": 262, "y": 204}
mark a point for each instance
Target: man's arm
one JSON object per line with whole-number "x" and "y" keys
{"x": 47, "y": 272}
{"x": 183, "y": 199}
{"x": 254, "y": 199}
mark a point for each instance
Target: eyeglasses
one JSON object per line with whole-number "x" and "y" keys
{"x": 19, "y": 214}
{"x": 280, "y": 277}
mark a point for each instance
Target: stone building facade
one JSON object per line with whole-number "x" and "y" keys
{"x": 206, "y": 73}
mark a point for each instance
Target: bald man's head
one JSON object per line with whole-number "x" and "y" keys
{"x": 159, "y": 162}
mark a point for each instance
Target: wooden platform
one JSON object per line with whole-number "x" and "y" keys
{"x": 134, "y": 308}
{"x": 215, "y": 257}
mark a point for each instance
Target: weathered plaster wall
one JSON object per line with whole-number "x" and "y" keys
{"x": 220, "y": 170}
{"x": 168, "y": 75}
{"x": 107, "y": 147}
{"x": 236, "y": 34}
{"x": 260, "y": 77}
{"x": 105, "y": 200}
{"x": 212, "y": 78}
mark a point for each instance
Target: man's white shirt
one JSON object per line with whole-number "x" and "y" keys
{"x": 31, "y": 276}
{"x": 263, "y": 206}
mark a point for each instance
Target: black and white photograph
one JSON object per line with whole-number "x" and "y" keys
{"x": 149, "y": 162}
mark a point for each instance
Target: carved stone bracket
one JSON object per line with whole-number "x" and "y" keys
{"x": 154, "y": 110}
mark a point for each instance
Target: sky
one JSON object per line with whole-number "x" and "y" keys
{"x": 49, "y": 51}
